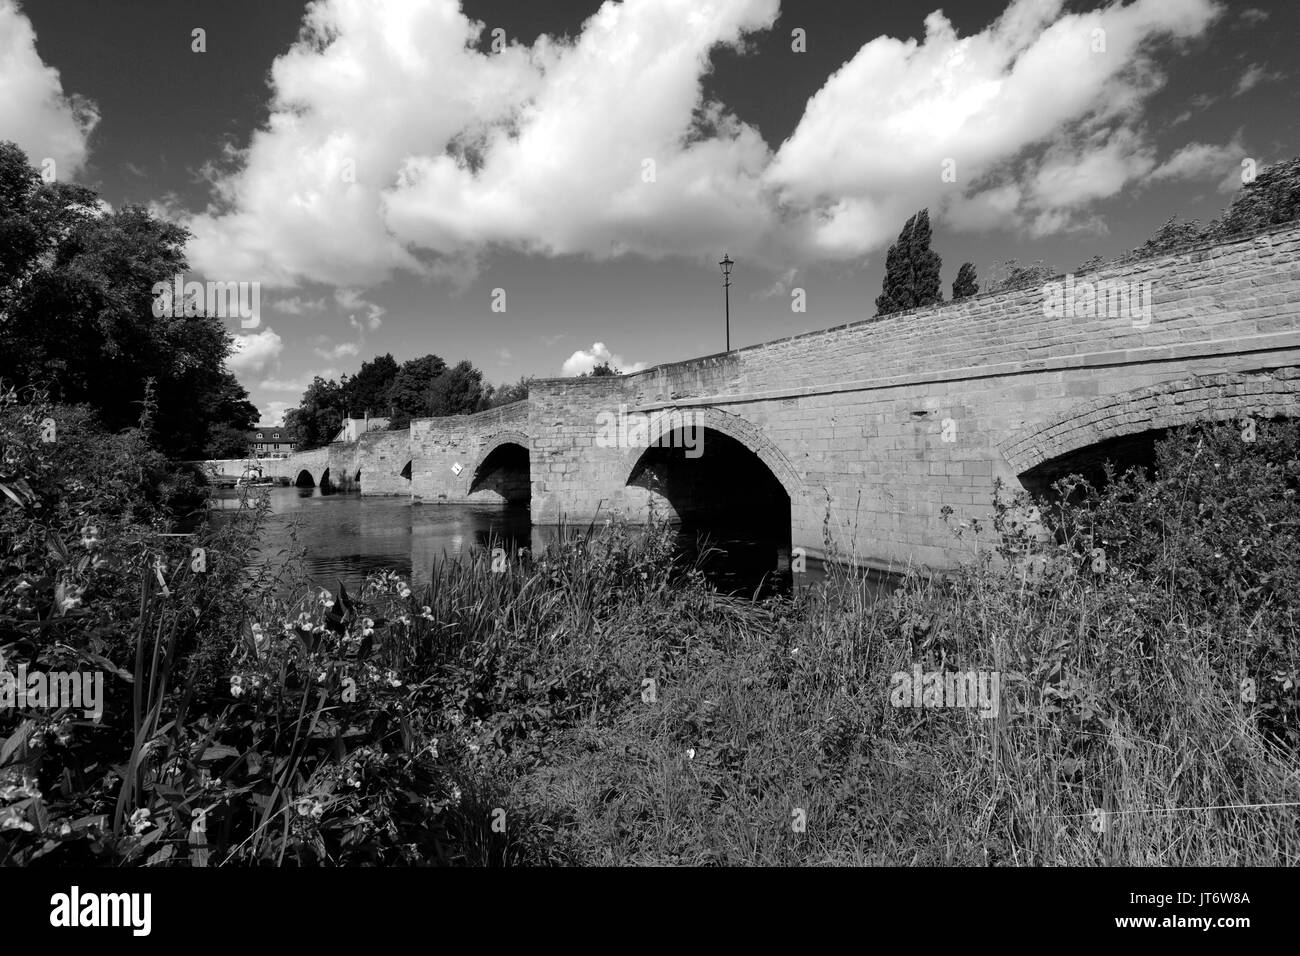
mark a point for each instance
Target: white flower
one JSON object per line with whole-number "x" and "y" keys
{"x": 326, "y": 599}
{"x": 690, "y": 754}
{"x": 139, "y": 821}
{"x": 403, "y": 591}
{"x": 455, "y": 793}
{"x": 236, "y": 686}
{"x": 367, "y": 627}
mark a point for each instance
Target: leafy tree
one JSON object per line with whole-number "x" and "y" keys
{"x": 911, "y": 269}
{"x": 457, "y": 391}
{"x": 76, "y": 313}
{"x": 1173, "y": 234}
{"x": 319, "y": 415}
{"x": 965, "y": 286}
{"x": 1012, "y": 275}
{"x": 226, "y": 441}
{"x": 409, "y": 395}
{"x": 604, "y": 368}
{"x": 369, "y": 389}
{"x": 1272, "y": 198}
{"x": 507, "y": 393}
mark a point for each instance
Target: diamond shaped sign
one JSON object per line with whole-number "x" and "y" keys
{"x": 457, "y": 468}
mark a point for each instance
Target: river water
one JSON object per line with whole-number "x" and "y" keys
{"x": 346, "y": 537}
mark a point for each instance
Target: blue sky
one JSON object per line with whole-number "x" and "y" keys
{"x": 382, "y": 167}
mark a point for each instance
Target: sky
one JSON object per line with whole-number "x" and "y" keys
{"x": 540, "y": 186}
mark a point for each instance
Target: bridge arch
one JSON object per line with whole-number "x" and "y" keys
{"x": 503, "y": 468}
{"x": 664, "y": 421}
{"x": 304, "y": 480}
{"x": 1120, "y": 420}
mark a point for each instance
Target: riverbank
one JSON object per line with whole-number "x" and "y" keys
{"x": 1080, "y": 694}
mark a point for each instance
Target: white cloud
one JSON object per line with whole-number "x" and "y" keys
{"x": 1025, "y": 109}
{"x": 272, "y": 414}
{"x": 1202, "y": 161}
{"x": 297, "y": 305}
{"x": 543, "y": 148}
{"x": 255, "y": 351}
{"x": 299, "y": 384}
{"x": 394, "y": 144}
{"x": 335, "y": 352}
{"x": 584, "y": 361}
{"x": 1255, "y": 74}
{"x": 370, "y": 315}
{"x": 34, "y": 110}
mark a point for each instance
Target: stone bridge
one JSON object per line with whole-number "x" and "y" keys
{"x": 865, "y": 432}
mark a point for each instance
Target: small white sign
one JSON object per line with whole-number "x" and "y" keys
{"x": 457, "y": 468}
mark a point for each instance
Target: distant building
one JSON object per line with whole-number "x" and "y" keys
{"x": 272, "y": 443}
{"x": 354, "y": 428}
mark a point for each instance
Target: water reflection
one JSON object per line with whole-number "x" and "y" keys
{"x": 347, "y": 537}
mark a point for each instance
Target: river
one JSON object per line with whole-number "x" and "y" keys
{"x": 346, "y": 537}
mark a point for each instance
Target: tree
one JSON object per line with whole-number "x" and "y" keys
{"x": 604, "y": 368}
{"x": 369, "y": 389}
{"x": 226, "y": 441}
{"x": 1272, "y": 198}
{"x": 319, "y": 415}
{"x": 76, "y": 313}
{"x": 1173, "y": 234}
{"x": 409, "y": 394}
{"x": 911, "y": 269}
{"x": 1011, "y": 275}
{"x": 965, "y": 286}
{"x": 457, "y": 391}
{"x": 507, "y": 393}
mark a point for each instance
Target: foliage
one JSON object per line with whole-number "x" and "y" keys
{"x": 457, "y": 391}
{"x": 506, "y": 393}
{"x": 965, "y": 286}
{"x": 76, "y": 313}
{"x": 1011, "y": 275}
{"x": 409, "y": 395}
{"x": 911, "y": 269}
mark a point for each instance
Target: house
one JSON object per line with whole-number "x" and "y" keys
{"x": 271, "y": 443}
{"x": 354, "y": 428}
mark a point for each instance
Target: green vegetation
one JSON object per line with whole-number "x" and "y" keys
{"x": 600, "y": 703}
{"x": 76, "y": 314}
{"x": 419, "y": 388}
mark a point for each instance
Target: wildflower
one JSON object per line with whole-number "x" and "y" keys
{"x": 261, "y": 641}
{"x": 794, "y": 651}
{"x": 690, "y": 753}
{"x": 455, "y": 793}
{"x": 11, "y": 819}
{"x": 403, "y": 591}
{"x": 139, "y": 821}
{"x": 326, "y": 599}
{"x": 367, "y": 627}
{"x": 236, "y": 686}
{"x": 67, "y": 597}
{"x": 426, "y": 612}
{"x": 90, "y": 537}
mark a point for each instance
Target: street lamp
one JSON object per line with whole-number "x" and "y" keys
{"x": 726, "y": 265}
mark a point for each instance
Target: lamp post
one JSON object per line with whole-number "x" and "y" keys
{"x": 726, "y": 265}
